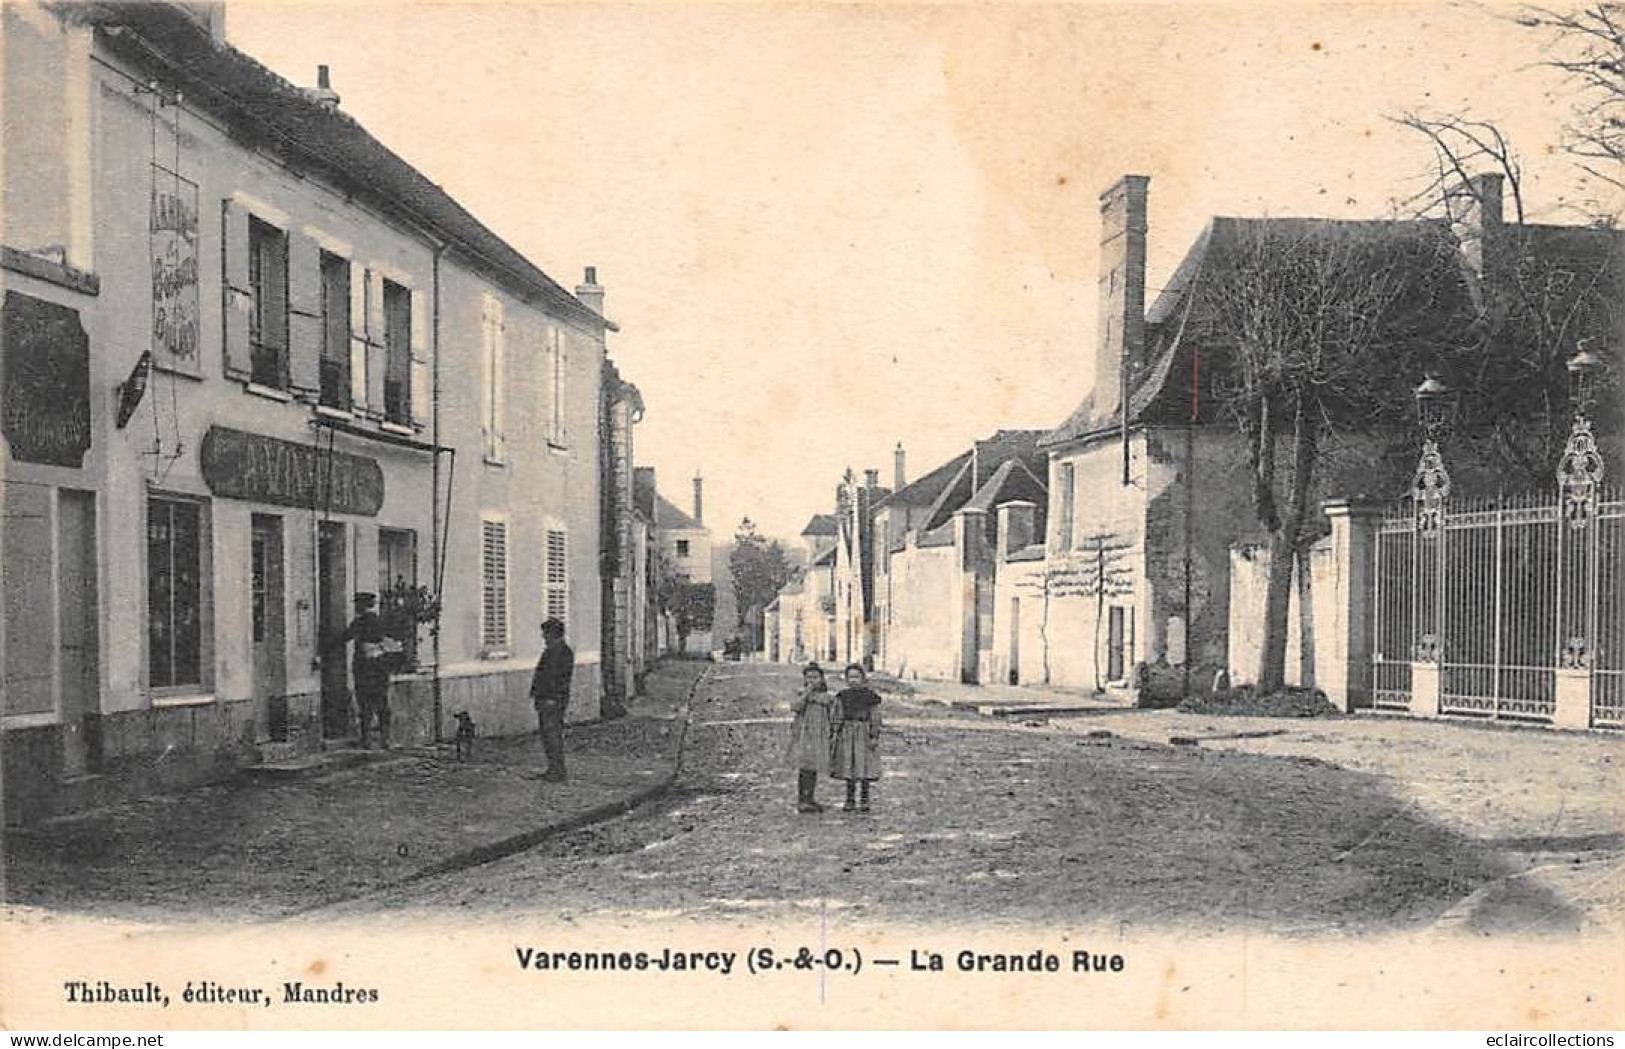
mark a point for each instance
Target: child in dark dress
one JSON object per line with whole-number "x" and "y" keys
{"x": 855, "y": 751}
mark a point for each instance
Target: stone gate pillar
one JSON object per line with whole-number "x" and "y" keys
{"x": 1348, "y": 637}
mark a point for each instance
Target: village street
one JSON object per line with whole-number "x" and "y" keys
{"x": 1089, "y": 819}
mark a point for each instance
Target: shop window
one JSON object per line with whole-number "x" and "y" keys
{"x": 494, "y": 587}
{"x": 558, "y": 576}
{"x": 397, "y": 583}
{"x": 397, "y": 354}
{"x": 174, "y": 593}
{"x": 335, "y": 365}
{"x": 268, "y": 309}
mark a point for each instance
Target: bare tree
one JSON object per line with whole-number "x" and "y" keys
{"x": 1320, "y": 318}
{"x": 1536, "y": 291}
{"x": 1588, "y": 44}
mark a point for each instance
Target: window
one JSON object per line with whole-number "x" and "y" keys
{"x": 493, "y": 363}
{"x": 558, "y": 576}
{"x": 268, "y": 308}
{"x": 335, "y": 377}
{"x": 556, "y": 385}
{"x": 174, "y": 593}
{"x": 494, "y": 586}
{"x": 397, "y": 354}
{"x": 682, "y": 548}
{"x": 1066, "y": 483}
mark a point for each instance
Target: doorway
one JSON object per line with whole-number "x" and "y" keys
{"x": 331, "y": 618}
{"x": 1015, "y": 641}
{"x": 267, "y": 625}
{"x": 77, "y": 643}
{"x": 1116, "y": 635}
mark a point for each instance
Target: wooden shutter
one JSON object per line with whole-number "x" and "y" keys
{"x": 236, "y": 298}
{"x": 377, "y": 324}
{"x": 305, "y": 333}
{"x": 493, "y": 372}
{"x": 558, "y": 575}
{"x": 494, "y": 585}
{"x": 421, "y": 378}
{"x": 358, "y": 336}
{"x": 555, "y": 356}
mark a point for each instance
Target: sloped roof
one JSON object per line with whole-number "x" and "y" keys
{"x": 1168, "y": 349}
{"x": 825, "y": 558}
{"x": 925, "y": 490}
{"x": 1012, "y": 481}
{"x": 670, "y": 519}
{"x": 822, "y": 525}
{"x": 269, "y": 110}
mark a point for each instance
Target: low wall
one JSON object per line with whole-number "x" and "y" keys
{"x": 1249, "y": 576}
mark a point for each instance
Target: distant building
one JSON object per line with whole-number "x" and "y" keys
{"x": 685, "y": 549}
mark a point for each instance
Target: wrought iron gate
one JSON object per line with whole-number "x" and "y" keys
{"x": 1492, "y": 602}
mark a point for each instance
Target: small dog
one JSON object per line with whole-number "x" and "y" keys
{"x": 466, "y": 732}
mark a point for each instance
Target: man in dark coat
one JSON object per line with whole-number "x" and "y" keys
{"x": 369, "y": 665}
{"x": 550, "y": 691}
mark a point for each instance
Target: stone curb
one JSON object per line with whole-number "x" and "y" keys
{"x": 490, "y": 852}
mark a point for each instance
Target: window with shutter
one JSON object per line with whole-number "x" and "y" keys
{"x": 397, "y": 354}
{"x": 494, "y": 586}
{"x": 558, "y": 576}
{"x": 335, "y": 364}
{"x": 268, "y": 308}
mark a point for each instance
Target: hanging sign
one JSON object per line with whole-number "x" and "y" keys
{"x": 263, "y": 469}
{"x": 174, "y": 229}
{"x": 44, "y": 382}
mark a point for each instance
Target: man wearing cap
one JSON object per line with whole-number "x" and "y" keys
{"x": 550, "y": 691}
{"x": 369, "y": 666}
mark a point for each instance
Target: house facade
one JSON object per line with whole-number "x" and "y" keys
{"x": 255, "y": 363}
{"x": 684, "y": 545}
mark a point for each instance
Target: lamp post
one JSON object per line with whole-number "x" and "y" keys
{"x": 1579, "y": 471}
{"x": 1435, "y": 404}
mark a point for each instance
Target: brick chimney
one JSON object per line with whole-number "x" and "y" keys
{"x": 699, "y": 492}
{"x": 899, "y": 478}
{"x": 323, "y": 92}
{"x": 1016, "y": 524}
{"x": 590, "y": 292}
{"x": 1476, "y": 214}
{"x": 1120, "y": 338}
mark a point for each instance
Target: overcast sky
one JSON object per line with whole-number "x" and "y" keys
{"x": 827, "y": 229}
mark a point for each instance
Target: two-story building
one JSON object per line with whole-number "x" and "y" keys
{"x": 253, "y": 363}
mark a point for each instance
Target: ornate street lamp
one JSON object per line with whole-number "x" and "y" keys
{"x": 1579, "y": 471}
{"x": 1435, "y": 406}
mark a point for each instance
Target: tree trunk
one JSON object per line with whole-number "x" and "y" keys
{"x": 1283, "y": 550}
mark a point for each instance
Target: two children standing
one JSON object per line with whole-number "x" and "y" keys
{"x": 835, "y": 735}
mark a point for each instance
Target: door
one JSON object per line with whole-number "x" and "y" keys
{"x": 1015, "y": 641}
{"x": 1115, "y": 636}
{"x": 331, "y": 618}
{"x": 77, "y": 649}
{"x": 268, "y": 634}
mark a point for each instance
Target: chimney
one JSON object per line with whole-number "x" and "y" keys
{"x": 1016, "y": 521}
{"x": 898, "y": 476}
{"x": 323, "y": 92}
{"x": 871, "y": 479}
{"x": 1475, "y": 209}
{"x": 1120, "y": 340}
{"x": 699, "y": 490}
{"x": 590, "y": 292}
